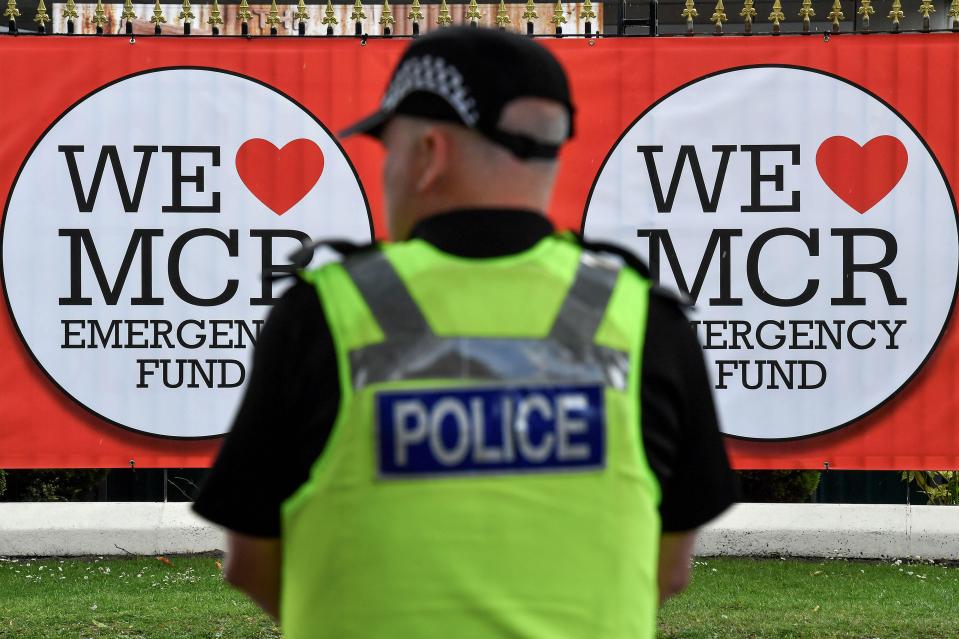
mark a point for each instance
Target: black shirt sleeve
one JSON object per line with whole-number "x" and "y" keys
{"x": 283, "y": 422}
{"x": 680, "y": 430}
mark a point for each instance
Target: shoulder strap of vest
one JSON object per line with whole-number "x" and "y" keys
{"x": 394, "y": 309}
{"x": 386, "y": 295}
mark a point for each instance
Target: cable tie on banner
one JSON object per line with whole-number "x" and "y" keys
{"x": 719, "y": 17}
{"x": 215, "y": 18}
{"x": 329, "y": 18}
{"x": 273, "y": 18}
{"x": 748, "y": 13}
{"x": 690, "y": 12}
{"x": 865, "y": 10}
{"x": 158, "y": 17}
{"x": 806, "y": 12}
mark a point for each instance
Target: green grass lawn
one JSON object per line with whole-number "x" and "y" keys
{"x": 736, "y": 598}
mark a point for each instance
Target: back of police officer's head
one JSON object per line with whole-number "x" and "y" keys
{"x": 472, "y": 118}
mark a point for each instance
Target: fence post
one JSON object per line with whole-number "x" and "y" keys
{"x": 329, "y": 18}
{"x": 69, "y": 14}
{"x": 529, "y": 15}
{"x": 653, "y": 18}
{"x": 158, "y": 17}
{"x": 41, "y": 18}
{"x": 273, "y": 18}
{"x": 588, "y": 15}
{"x": 386, "y": 19}
{"x": 215, "y": 18}
{"x": 502, "y": 15}
{"x": 99, "y": 17}
{"x": 301, "y": 15}
{"x": 896, "y": 15}
{"x": 12, "y": 13}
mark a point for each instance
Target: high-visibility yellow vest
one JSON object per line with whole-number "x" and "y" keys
{"x": 485, "y": 476}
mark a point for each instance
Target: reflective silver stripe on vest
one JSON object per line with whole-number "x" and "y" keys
{"x": 411, "y": 350}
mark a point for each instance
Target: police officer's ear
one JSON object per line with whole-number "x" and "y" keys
{"x": 434, "y": 156}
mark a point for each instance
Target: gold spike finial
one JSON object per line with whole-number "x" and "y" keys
{"x": 954, "y": 14}
{"x": 836, "y": 15}
{"x": 158, "y": 17}
{"x": 806, "y": 12}
{"x": 215, "y": 16}
{"x": 99, "y": 15}
{"x": 386, "y": 15}
{"x": 415, "y": 14}
{"x": 897, "y": 13}
{"x": 70, "y": 10}
{"x": 243, "y": 13}
{"x": 502, "y": 15}
{"x": 329, "y": 16}
{"x": 301, "y": 14}
{"x": 559, "y": 16}
{"x": 12, "y": 12}
{"x": 587, "y": 12}
{"x": 748, "y": 12}
{"x": 358, "y": 14}
{"x": 128, "y": 13}
{"x": 530, "y": 14}
{"x": 865, "y": 10}
{"x": 41, "y": 18}
{"x": 473, "y": 13}
{"x": 186, "y": 12}
{"x": 776, "y": 15}
{"x": 444, "y": 18}
{"x": 273, "y": 17}
{"x": 719, "y": 15}
{"x": 925, "y": 8}
{"x": 690, "y": 11}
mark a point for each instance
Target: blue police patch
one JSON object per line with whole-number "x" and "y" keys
{"x": 478, "y": 430}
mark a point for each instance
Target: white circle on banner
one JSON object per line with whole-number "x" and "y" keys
{"x": 165, "y": 349}
{"x": 825, "y": 258}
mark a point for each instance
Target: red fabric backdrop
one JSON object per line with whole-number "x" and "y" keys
{"x": 613, "y": 80}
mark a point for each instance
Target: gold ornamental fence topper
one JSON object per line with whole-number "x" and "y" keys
{"x": 381, "y": 19}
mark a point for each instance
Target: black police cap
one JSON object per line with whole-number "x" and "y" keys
{"x": 467, "y": 75}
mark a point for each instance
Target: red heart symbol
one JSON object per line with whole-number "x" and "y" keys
{"x": 279, "y": 177}
{"x": 862, "y": 175}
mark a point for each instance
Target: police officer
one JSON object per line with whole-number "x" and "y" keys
{"x": 486, "y": 428}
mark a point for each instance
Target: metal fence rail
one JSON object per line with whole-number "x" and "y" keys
{"x": 559, "y": 19}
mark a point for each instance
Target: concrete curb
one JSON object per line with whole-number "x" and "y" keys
{"x": 787, "y": 530}
{"x": 104, "y": 528}
{"x": 867, "y": 531}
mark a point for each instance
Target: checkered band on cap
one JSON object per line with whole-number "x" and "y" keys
{"x": 434, "y": 75}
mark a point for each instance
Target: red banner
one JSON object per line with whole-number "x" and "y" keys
{"x": 801, "y": 191}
